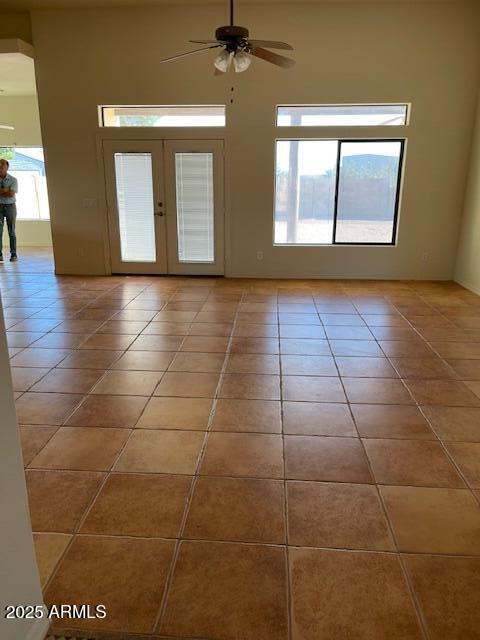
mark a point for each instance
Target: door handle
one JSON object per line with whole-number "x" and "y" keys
{"x": 158, "y": 213}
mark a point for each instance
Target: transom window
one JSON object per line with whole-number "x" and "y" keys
{"x": 162, "y": 116}
{"x": 337, "y": 191}
{"x": 363, "y": 115}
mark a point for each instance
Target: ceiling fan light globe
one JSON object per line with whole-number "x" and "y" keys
{"x": 222, "y": 61}
{"x": 241, "y": 61}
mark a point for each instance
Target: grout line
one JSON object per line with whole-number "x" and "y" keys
{"x": 181, "y": 538}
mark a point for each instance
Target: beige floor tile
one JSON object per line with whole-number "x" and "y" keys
{"x": 306, "y": 331}
{"x": 215, "y": 329}
{"x": 18, "y": 337}
{"x": 46, "y": 408}
{"x": 347, "y": 594}
{"x": 90, "y": 359}
{"x": 443, "y": 392}
{"x": 253, "y": 363}
{"x": 467, "y": 456}
{"x": 176, "y": 413}
{"x": 376, "y": 391}
{"x": 251, "y": 330}
{"x": 447, "y": 591}
{"x": 391, "y": 421}
{"x": 247, "y": 415}
{"x": 300, "y": 365}
{"x": 475, "y": 387}
{"x": 81, "y": 448}
{"x": 406, "y": 349}
{"x": 188, "y": 385}
{"x": 167, "y": 328}
{"x": 434, "y": 520}
{"x": 198, "y": 362}
{"x": 255, "y": 455}
{"x": 34, "y": 357}
{"x": 455, "y": 423}
{"x": 304, "y": 347}
{"x": 248, "y": 581}
{"x": 326, "y": 458}
{"x": 317, "y": 419}
{"x": 25, "y": 377}
{"x": 127, "y": 575}
{"x": 108, "y": 411}
{"x": 49, "y": 548}
{"x": 345, "y": 516}
{"x": 394, "y": 333}
{"x": 134, "y": 383}
{"x": 205, "y": 344}
{"x": 157, "y": 343}
{"x": 356, "y": 348}
{"x": 411, "y": 462}
{"x": 139, "y": 505}
{"x": 424, "y": 369}
{"x": 250, "y": 386}
{"x": 466, "y": 369}
{"x": 254, "y": 345}
{"x": 114, "y": 341}
{"x": 339, "y": 332}
{"x": 237, "y": 509}
{"x": 58, "y": 499}
{"x": 144, "y": 361}
{"x": 461, "y": 350}
{"x": 312, "y": 389}
{"x": 127, "y": 327}
{"x": 365, "y": 367}
{"x": 162, "y": 451}
{"x": 68, "y": 381}
{"x": 33, "y": 439}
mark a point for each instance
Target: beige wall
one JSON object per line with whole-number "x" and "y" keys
{"x": 22, "y": 113}
{"x": 16, "y": 25}
{"x": 426, "y": 54}
{"x": 467, "y": 270}
{"x": 19, "y": 581}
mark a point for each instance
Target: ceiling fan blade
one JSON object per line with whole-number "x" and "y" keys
{"x": 274, "y": 58}
{"x": 270, "y": 44}
{"x": 189, "y": 53}
{"x": 217, "y": 72}
{"x": 208, "y": 41}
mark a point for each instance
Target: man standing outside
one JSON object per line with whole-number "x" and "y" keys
{"x": 8, "y": 209}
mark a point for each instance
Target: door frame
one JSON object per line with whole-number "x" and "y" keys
{"x": 157, "y": 134}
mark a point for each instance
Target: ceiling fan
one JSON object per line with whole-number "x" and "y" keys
{"x": 237, "y": 49}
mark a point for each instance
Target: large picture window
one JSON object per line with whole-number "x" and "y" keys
{"x": 337, "y": 191}
{"x": 28, "y": 166}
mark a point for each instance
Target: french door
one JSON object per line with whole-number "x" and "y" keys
{"x": 165, "y": 206}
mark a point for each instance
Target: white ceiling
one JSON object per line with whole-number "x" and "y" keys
{"x": 24, "y": 5}
{"x": 17, "y": 75}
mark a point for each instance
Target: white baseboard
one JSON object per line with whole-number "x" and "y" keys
{"x": 38, "y": 630}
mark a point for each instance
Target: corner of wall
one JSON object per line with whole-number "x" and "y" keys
{"x": 467, "y": 266}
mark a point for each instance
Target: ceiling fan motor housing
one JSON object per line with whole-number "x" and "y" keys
{"x": 232, "y": 33}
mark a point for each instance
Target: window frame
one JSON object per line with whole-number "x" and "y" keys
{"x": 334, "y": 243}
{"x": 407, "y": 105}
{"x": 102, "y": 107}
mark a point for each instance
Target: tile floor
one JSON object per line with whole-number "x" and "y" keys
{"x": 251, "y": 459}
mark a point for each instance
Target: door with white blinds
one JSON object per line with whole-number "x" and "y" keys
{"x": 165, "y": 206}
{"x": 135, "y": 200}
{"x": 194, "y": 205}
